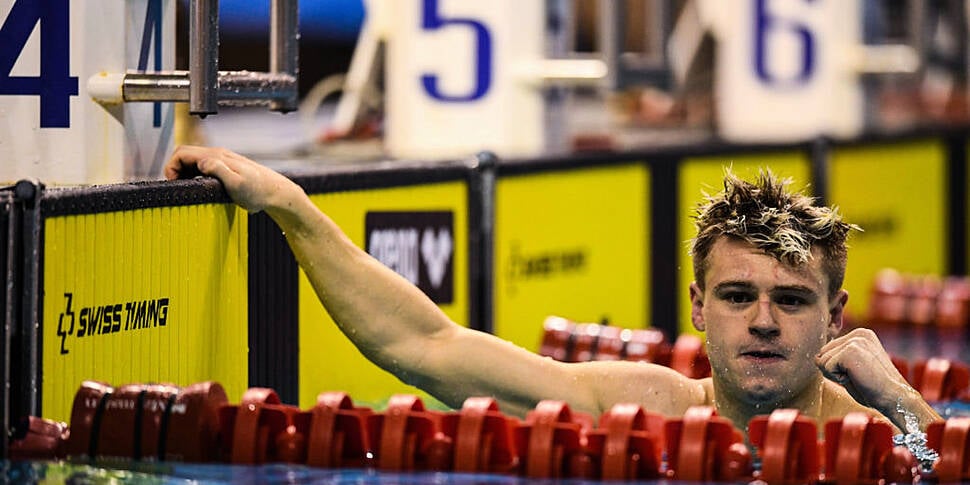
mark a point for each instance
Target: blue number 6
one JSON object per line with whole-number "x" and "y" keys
{"x": 430, "y": 20}
{"x": 765, "y": 25}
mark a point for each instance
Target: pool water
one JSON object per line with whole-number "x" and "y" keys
{"x": 182, "y": 473}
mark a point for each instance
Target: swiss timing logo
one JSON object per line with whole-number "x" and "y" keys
{"x": 109, "y": 318}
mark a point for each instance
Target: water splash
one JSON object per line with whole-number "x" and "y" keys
{"x": 915, "y": 440}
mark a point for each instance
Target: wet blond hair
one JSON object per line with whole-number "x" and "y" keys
{"x": 784, "y": 224}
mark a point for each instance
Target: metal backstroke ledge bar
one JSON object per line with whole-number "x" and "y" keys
{"x": 203, "y": 86}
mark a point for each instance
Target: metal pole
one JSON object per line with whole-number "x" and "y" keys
{"x": 284, "y": 46}
{"x": 234, "y": 86}
{"x": 203, "y": 57}
{"x": 611, "y": 35}
{"x": 172, "y": 86}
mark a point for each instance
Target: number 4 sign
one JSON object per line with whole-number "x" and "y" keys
{"x": 54, "y": 85}
{"x": 51, "y": 129}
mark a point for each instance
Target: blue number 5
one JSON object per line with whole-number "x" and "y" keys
{"x": 430, "y": 20}
{"x": 55, "y": 85}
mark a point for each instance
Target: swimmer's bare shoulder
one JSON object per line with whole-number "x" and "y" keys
{"x": 655, "y": 388}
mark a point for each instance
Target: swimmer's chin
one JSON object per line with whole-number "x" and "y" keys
{"x": 761, "y": 396}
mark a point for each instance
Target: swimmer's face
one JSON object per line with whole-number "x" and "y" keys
{"x": 765, "y": 322}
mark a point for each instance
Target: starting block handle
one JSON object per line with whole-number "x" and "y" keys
{"x": 284, "y": 47}
{"x": 203, "y": 57}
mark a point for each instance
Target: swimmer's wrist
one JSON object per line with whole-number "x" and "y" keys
{"x": 912, "y": 401}
{"x": 290, "y": 208}
{"x": 285, "y": 197}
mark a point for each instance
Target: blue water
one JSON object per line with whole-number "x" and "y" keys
{"x": 953, "y": 409}
{"x": 179, "y": 473}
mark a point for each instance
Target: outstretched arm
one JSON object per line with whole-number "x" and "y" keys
{"x": 858, "y": 361}
{"x": 397, "y": 327}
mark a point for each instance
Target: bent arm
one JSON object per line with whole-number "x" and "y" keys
{"x": 859, "y": 362}
{"x": 399, "y": 328}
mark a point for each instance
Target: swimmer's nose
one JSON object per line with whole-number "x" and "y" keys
{"x": 763, "y": 323}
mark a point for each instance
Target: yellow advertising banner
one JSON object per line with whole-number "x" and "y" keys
{"x": 419, "y": 231}
{"x": 149, "y": 295}
{"x": 705, "y": 175}
{"x": 572, "y": 243}
{"x": 897, "y": 193}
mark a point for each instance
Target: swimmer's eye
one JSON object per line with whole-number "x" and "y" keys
{"x": 738, "y": 297}
{"x": 793, "y": 301}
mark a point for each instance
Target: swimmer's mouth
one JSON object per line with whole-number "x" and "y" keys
{"x": 762, "y": 354}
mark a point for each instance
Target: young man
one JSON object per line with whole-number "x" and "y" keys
{"x": 768, "y": 266}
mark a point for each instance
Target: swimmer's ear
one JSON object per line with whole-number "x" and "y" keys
{"x": 696, "y": 305}
{"x": 837, "y": 313}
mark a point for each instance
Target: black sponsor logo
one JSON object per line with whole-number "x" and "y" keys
{"x": 89, "y": 321}
{"x": 546, "y": 263}
{"x": 419, "y": 246}
{"x": 877, "y": 226}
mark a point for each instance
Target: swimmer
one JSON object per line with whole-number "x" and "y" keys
{"x": 768, "y": 267}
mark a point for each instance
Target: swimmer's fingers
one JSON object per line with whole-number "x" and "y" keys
{"x": 184, "y": 162}
{"x": 830, "y": 363}
{"x": 250, "y": 185}
{"x": 859, "y": 363}
{"x": 187, "y": 161}
{"x": 858, "y": 336}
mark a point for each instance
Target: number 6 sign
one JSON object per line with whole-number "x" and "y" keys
{"x": 787, "y": 69}
{"x": 50, "y": 128}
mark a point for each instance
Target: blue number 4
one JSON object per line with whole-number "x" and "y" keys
{"x": 153, "y": 22}
{"x": 55, "y": 85}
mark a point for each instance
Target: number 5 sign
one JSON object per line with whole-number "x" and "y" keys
{"x": 457, "y": 77}
{"x": 50, "y": 129}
